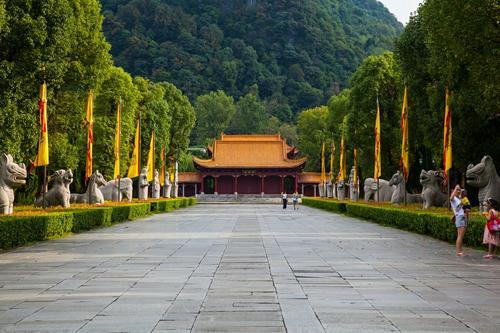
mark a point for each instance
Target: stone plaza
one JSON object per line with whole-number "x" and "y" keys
{"x": 247, "y": 268}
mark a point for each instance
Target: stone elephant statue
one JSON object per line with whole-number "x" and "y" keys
{"x": 385, "y": 191}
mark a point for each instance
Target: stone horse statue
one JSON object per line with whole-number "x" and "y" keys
{"x": 110, "y": 190}
{"x": 12, "y": 175}
{"x": 385, "y": 190}
{"x": 93, "y": 195}
{"x": 155, "y": 191}
{"x": 167, "y": 186}
{"x": 432, "y": 195}
{"x": 143, "y": 184}
{"x": 59, "y": 194}
{"x": 353, "y": 188}
{"x": 485, "y": 177}
{"x": 398, "y": 196}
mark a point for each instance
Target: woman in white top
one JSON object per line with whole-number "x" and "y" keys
{"x": 460, "y": 218}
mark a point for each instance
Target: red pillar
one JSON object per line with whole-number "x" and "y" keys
{"x": 262, "y": 184}
{"x": 235, "y": 184}
{"x": 216, "y": 183}
{"x": 202, "y": 187}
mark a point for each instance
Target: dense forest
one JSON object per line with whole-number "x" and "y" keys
{"x": 447, "y": 44}
{"x": 294, "y": 54}
{"x": 60, "y": 42}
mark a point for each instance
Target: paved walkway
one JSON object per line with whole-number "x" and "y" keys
{"x": 247, "y": 268}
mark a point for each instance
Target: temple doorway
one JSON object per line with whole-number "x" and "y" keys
{"x": 248, "y": 185}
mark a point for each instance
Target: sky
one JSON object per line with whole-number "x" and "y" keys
{"x": 401, "y": 8}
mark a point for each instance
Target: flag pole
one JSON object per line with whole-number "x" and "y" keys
{"x": 44, "y": 190}
{"x": 119, "y": 148}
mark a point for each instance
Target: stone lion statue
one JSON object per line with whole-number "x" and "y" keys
{"x": 432, "y": 195}
{"x": 485, "y": 177}
{"x": 12, "y": 176}
{"x": 59, "y": 194}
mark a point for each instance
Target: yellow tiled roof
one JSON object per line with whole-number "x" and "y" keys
{"x": 249, "y": 151}
{"x": 310, "y": 177}
{"x": 189, "y": 177}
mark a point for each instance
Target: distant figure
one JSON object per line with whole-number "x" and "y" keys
{"x": 491, "y": 238}
{"x": 460, "y": 218}
{"x": 284, "y": 199}
{"x": 295, "y": 201}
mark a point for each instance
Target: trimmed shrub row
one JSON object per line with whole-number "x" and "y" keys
{"x": 432, "y": 224}
{"x": 20, "y": 230}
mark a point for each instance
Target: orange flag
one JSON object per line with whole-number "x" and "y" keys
{"x": 323, "y": 169}
{"x": 447, "y": 144}
{"x": 89, "y": 122}
{"x": 377, "y": 170}
{"x": 332, "y": 158}
{"x": 404, "y": 160}
{"x": 42, "y": 158}
{"x": 151, "y": 158}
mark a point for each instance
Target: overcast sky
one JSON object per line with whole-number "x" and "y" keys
{"x": 402, "y": 8}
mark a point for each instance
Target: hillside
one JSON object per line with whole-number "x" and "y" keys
{"x": 297, "y": 52}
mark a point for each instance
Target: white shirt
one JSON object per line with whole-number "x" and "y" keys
{"x": 458, "y": 209}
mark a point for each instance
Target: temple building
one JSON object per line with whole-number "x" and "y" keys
{"x": 249, "y": 164}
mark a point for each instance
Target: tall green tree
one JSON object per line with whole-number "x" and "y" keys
{"x": 214, "y": 112}
{"x": 250, "y": 117}
{"x": 313, "y": 132}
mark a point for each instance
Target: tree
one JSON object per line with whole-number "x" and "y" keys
{"x": 250, "y": 116}
{"x": 312, "y": 133}
{"x": 377, "y": 77}
{"x": 214, "y": 112}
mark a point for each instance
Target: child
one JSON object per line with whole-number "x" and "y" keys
{"x": 465, "y": 203}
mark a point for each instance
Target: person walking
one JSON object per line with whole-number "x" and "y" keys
{"x": 459, "y": 218}
{"x": 284, "y": 200}
{"x": 491, "y": 238}
{"x": 295, "y": 201}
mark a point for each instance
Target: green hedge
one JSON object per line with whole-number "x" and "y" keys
{"x": 433, "y": 224}
{"x": 19, "y": 230}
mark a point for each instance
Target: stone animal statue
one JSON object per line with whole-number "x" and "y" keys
{"x": 110, "y": 190}
{"x": 485, "y": 177}
{"x": 398, "y": 196}
{"x": 59, "y": 194}
{"x": 431, "y": 189}
{"x": 155, "y": 193}
{"x": 167, "y": 187}
{"x": 93, "y": 195}
{"x": 353, "y": 188}
{"x": 12, "y": 176}
{"x": 143, "y": 184}
{"x": 341, "y": 190}
{"x": 385, "y": 191}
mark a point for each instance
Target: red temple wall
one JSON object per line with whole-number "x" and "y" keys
{"x": 272, "y": 185}
{"x": 225, "y": 185}
{"x": 248, "y": 185}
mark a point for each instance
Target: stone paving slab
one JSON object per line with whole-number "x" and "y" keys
{"x": 247, "y": 268}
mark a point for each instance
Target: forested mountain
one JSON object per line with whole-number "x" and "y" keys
{"x": 297, "y": 52}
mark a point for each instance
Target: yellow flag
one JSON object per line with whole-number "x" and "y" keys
{"x": 151, "y": 158}
{"x": 377, "y": 170}
{"x": 89, "y": 121}
{"x": 323, "y": 172}
{"x": 42, "y": 158}
{"x": 133, "y": 170}
{"x": 162, "y": 169}
{"x": 342, "y": 163}
{"x": 447, "y": 144}
{"x": 404, "y": 160}
{"x": 118, "y": 130}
